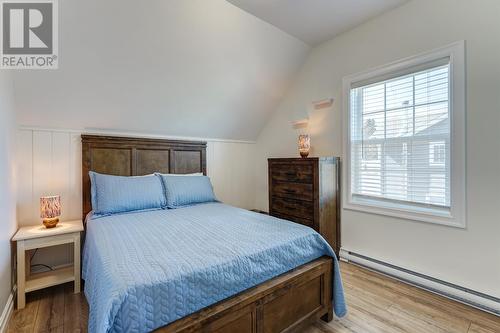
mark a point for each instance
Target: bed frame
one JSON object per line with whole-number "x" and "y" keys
{"x": 286, "y": 303}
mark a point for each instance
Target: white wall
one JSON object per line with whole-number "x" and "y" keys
{"x": 7, "y": 185}
{"x": 50, "y": 163}
{"x": 470, "y": 257}
{"x": 186, "y": 68}
{"x": 180, "y": 68}
{"x": 230, "y": 166}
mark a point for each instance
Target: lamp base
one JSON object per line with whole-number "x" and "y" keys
{"x": 50, "y": 223}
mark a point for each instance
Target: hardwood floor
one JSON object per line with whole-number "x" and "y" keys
{"x": 54, "y": 309}
{"x": 376, "y": 304}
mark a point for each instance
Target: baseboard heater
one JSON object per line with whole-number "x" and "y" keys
{"x": 467, "y": 296}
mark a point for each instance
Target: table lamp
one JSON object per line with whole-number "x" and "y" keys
{"x": 304, "y": 145}
{"x": 50, "y": 210}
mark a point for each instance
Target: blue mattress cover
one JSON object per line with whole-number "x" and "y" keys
{"x": 145, "y": 270}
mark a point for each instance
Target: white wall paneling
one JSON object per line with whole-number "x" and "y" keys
{"x": 49, "y": 162}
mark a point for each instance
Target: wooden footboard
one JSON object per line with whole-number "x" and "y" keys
{"x": 286, "y": 303}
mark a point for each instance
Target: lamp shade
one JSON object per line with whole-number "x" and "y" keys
{"x": 304, "y": 145}
{"x": 50, "y": 207}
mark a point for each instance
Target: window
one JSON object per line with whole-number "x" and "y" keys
{"x": 371, "y": 152}
{"x": 404, "y": 139}
{"x": 437, "y": 153}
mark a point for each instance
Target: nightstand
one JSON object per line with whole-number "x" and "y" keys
{"x": 35, "y": 237}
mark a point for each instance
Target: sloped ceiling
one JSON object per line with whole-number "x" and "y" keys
{"x": 316, "y": 21}
{"x": 179, "y": 67}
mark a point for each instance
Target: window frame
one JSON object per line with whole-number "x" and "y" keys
{"x": 455, "y": 216}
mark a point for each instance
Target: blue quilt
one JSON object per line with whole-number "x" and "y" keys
{"x": 145, "y": 270}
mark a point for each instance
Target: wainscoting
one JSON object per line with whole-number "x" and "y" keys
{"x": 49, "y": 162}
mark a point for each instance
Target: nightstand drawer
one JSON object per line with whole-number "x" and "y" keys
{"x": 300, "y": 191}
{"x": 37, "y": 243}
{"x": 290, "y": 207}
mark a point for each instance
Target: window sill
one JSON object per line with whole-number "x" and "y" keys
{"x": 407, "y": 212}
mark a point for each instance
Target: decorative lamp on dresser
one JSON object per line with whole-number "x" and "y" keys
{"x": 306, "y": 191}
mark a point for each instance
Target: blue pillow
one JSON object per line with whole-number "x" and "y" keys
{"x": 117, "y": 194}
{"x": 187, "y": 190}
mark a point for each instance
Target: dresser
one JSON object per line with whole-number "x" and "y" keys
{"x": 306, "y": 191}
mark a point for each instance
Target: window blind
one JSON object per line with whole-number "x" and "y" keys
{"x": 400, "y": 136}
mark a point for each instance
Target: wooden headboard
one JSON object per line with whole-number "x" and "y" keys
{"x": 122, "y": 156}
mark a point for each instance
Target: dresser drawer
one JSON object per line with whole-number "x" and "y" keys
{"x": 299, "y": 220}
{"x": 300, "y": 191}
{"x": 290, "y": 207}
{"x": 300, "y": 172}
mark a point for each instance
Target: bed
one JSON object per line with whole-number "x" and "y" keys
{"x": 208, "y": 267}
